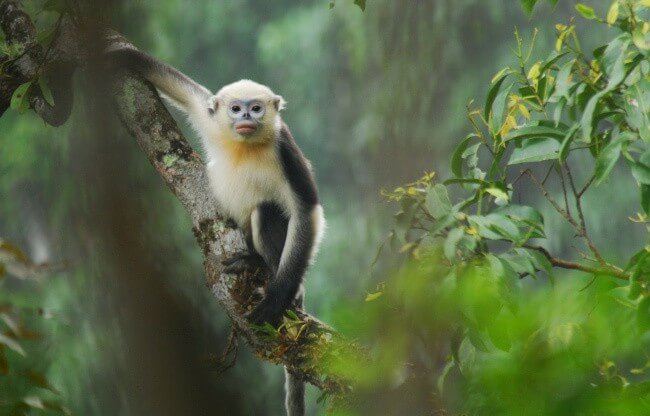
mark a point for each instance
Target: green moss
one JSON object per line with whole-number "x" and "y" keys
{"x": 169, "y": 160}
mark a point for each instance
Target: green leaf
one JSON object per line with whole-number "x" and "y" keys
{"x": 640, "y": 38}
{"x": 535, "y": 150}
{"x": 641, "y": 173}
{"x": 521, "y": 213}
{"x": 607, "y": 159}
{"x": 616, "y": 73}
{"x": 451, "y": 242}
{"x": 361, "y": 4}
{"x": 645, "y": 198}
{"x": 552, "y": 60}
{"x": 586, "y": 11}
{"x": 643, "y": 314}
{"x": 45, "y": 37}
{"x": 498, "y": 193}
{"x": 438, "y": 203}
{"x": 11, "y": 323}
{"x": 564, "y": 81}
{"x": 291, "y": 314}
{"x": 499, "y": 110}
{"x": 12, "y": 344}
{"x": 566, "y": 143}
{"x": 528, "y": 6}
{"x": 495, "y": 227}
{"x": 471, "y": 156}
{"x": 466, "y": 357}
{"x": 612, "y": 14}
{"x": 373, "y": 296}
{"x": 492, "y": 93}
{"x": 524, "y": 215}
{"x": 520, "y": 263}
{"x": 457, "y": 157}
{"x": 19, "y": 99}
{"x": 499, "y": 333}
{"x": 55, "y": 5}
{"x": 34, "y": 401}
{"x": 45, "y": 90}
{"x": 536, "y": 131}
{"x": 588, "y": 116}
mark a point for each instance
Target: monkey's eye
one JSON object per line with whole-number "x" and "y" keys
{"x": 235, "y": 109}
{"x": 257, "y": 110}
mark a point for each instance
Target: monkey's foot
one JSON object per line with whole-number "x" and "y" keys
{"x": 243, "y": 262}
{"x": 266, "y": 311}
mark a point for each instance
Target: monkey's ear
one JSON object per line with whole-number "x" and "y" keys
{"x": 213, "y": 104}
{"x": 279, "y": 103}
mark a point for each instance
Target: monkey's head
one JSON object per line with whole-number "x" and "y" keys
{"x": 248, "y": 111}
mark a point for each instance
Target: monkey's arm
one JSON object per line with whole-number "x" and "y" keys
{"x": 303, "y": 232}
{"x": 180, "y": 89}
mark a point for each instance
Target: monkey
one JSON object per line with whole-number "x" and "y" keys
{"x": 260, "y": 179}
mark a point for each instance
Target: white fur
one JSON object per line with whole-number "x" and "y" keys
{"x": 319, "y": 224}
{"x": 240, "y": 187}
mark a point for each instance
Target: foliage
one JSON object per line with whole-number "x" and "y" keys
{"x": 24, "y": 387}
{"x": 529, "y": 5}
{"x": 531, "y": 332}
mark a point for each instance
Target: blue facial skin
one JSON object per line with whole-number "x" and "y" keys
{"x": 246, "y": 115}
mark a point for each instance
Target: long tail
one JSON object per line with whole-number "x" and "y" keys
{"x": 295, "y": 395}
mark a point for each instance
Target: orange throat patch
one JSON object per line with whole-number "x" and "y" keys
{"x": 242, "y": 151}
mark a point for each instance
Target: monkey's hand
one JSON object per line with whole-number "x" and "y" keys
{"x": 268, "y": 310}
{"x": 243, "y": 262}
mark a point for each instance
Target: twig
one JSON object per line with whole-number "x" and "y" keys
{"x": 565, "y": 264}
{"x": 550, "y": 199}
{"x": 219, "y": 363}
{"x": 587, "y": 185}
{"x": 548, "y": 173}
{"x": 583, "y": 225}
{"x": 566, "y": 198}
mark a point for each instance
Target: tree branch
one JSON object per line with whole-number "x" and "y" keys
{"x": 565, "y": 264}
{"x": 57, "y": 64}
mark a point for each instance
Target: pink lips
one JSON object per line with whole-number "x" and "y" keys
{"x": 245, "y": 128}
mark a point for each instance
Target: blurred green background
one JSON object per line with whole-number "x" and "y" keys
{"x": 375, "y": 98}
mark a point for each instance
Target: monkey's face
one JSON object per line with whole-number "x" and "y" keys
{"x": 247, "y": 112}
{"x": 248, "y": 119}
{"x": 246, "y": 116}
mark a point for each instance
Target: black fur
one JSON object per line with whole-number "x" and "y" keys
{"x": 296, "y": 169}
{"x": 273, "y": 233}
{"x": 283, "y": 288}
